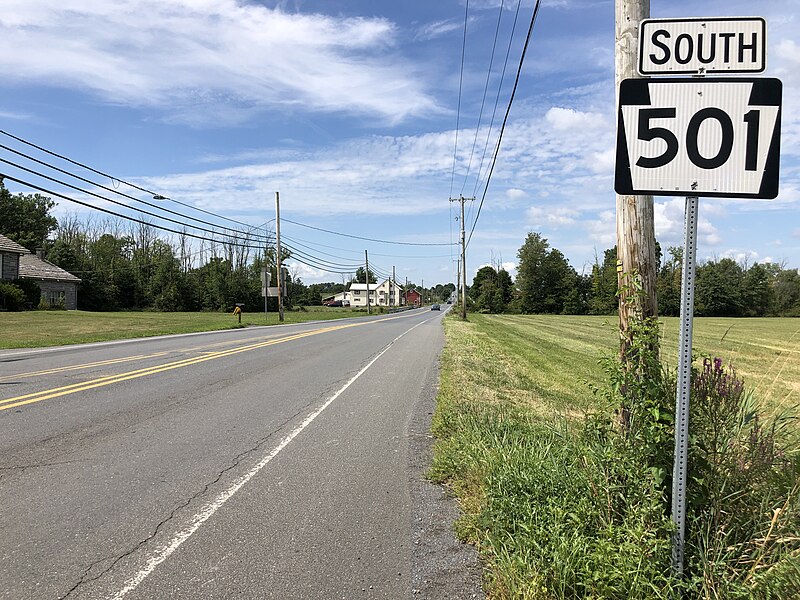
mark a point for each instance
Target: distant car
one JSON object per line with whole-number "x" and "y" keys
{"x": 435, "y": 307}
{"x": 345, "y": 302}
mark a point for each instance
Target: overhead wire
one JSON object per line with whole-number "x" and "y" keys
{"x": 460, "y": 86}
{"x": 358, "y": 237}
{"x": 296, "y": 254}
{"x": 505, "y": 118}
{"x": 39, "y": 188}
{"x": 485, "y": 91}
{"x": 312, "y": 246}
{"x": 497, "y": 97}
{"x": 113, "y": 191}
{"x": 230, "y": 236}
{"x": 118, "y": 203}
{"x": 113, "y": 178}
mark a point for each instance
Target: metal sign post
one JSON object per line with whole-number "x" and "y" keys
{"x": 684, "y": 384}
{"x": 692, "y": 137}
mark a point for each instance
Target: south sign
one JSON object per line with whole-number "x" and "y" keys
{"x": 700, "y": 46}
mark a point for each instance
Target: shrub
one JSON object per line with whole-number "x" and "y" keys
{"x": 743, "y": 496}
{"x": 11, "y": 297}
{"x": 743, "y": 488}
{"x": 31, "y": 289}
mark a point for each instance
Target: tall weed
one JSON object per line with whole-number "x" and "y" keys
{"x": 579, "y": 508}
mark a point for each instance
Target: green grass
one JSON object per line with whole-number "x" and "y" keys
{"x": 554, "y": 511}
{"x": 34, "y": 329}
{"x": 550, "y": 360}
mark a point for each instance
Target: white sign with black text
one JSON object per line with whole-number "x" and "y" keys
{"x": 703, "y": 46}
{"x": 699, "y": 137}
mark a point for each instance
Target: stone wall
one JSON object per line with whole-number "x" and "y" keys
{"x": 53, "y": 289}
{"x": 10, "y": 265}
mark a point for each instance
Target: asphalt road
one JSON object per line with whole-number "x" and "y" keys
{"x": 282, "y": 462}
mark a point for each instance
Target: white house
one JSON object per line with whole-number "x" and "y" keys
{"x": 387, "y": 293}
{"x": 340, "y": 297}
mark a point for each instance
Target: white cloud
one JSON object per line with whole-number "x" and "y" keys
{"x": 569, "y": 119}
{"x": 515, "y": 194}
{"x": 537, "y": 216}
{"x": 744, "y": 257}
{"x": 226, "y": 58}
{"x": 603, "y": 229}
{"x": 14, "y": 116}
{"x": 438, "y": 29}
{"x": 308, "y": 274}
{"x": 603, "y": 162}
{"x": 511, "y": 267}
{"x": 669, "y": 224}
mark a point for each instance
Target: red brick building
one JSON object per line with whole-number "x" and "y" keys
{"x": 412, "y": 298}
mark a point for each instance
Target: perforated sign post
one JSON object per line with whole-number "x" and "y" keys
{"x": 696, "y": 136}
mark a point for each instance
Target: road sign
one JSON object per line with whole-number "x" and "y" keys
{"x": 714, "y": 45}
{"x": 699, "y": 137}
{"x": 269, "y": 292}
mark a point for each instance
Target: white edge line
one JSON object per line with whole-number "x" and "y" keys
{"x": 212, "y": 507}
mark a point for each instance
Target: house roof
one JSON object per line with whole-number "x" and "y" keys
{"x": 33, "y": 267}
{"x": 373, "y": 286}
{"x": 7, "y": 245}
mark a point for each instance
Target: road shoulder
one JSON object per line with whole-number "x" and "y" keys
{"x": 442, "y": 567}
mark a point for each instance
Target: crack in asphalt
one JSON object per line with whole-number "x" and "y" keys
{"x": 34, "y": 465}
{"x": 85, "y": 579}
{"x": 8, "y": 470}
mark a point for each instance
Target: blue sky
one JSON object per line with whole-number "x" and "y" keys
{"x": 349, "y": 109}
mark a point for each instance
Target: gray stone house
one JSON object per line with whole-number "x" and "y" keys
{"x": 57, "y": 285}
{"x": 10, "y": 251}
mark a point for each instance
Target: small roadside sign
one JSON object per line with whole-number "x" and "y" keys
{"x": 716, "y": 137}
{"x": 713, "y": 45}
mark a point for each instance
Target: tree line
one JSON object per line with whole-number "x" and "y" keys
{"x": 547, "y": 283}
{"x": 133, "y": 266}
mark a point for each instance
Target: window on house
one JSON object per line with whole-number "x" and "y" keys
{"x": 56, "y": 297}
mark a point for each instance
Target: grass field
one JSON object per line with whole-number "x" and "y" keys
{"x": 550, "y": 361}
{"x": 33, "y": 329}
{"x": 511, "y": 389}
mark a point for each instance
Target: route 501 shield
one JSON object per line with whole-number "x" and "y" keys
{"x": 717, "y": 137}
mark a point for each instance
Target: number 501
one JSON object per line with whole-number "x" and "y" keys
{"x": 648, "y": 133}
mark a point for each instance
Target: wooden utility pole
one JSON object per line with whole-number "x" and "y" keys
{"x": 392, "y": 287}
{"x": 366, "y": 278}
{"x": 278, "y": 254}
{"x": 636, "y": 239}
{"x": 461, "y": 199}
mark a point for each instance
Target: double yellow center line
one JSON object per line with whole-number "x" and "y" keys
{"x": 111, "y": 379}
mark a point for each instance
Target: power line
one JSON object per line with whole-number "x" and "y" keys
{"x": 497, "y": 98}
{"x": 460, "y": 84}
{"x": 113, "y": 191}
{"x": 126, "y": 217}
{"x": 483, "y": 100}
{"x": 112, "y": 178}
{"x": 505, "y": 119}
{"x": 302, "y": 260}
{"x": 357, "y": 237}
{"x": 118, "y": 203}
{"x": 314, "y": 245}
{"x": 300, "y": 256}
